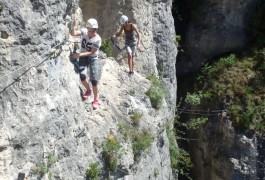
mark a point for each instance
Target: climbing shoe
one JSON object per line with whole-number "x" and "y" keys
{"x": 87, "y": 94}
{"x": 131, "y": 73}
{"x": 95, "y": 104}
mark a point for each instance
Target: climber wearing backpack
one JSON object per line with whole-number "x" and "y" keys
{"x": 130, "y": 40}
{"x": 88, "y": 57}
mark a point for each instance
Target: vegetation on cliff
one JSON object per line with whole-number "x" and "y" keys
{"x": 236, "y": 82}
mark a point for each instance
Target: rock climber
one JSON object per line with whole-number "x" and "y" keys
{"x": 130, "y": 40}
{"x": 88, "y": 57}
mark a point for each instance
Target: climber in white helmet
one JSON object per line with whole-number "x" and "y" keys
{"x": 88, "y": 57}
{"x": 130, "y": 41}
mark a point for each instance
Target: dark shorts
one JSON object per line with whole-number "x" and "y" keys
{"x": 131, "y": 46}
{"x": 93, "y": 65}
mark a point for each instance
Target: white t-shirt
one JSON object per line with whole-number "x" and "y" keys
{"x": 87, "y": 44}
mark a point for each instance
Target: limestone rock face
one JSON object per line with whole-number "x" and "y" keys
{"x": 155, "y": 23}
{"x": 42, "y": 112}
{"x": 220, "y": 152}
{"x": 215, "y": 28}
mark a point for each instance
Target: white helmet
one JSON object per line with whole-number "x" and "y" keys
{"x": 92, "y": 23}
{"x": 123, "y": 19}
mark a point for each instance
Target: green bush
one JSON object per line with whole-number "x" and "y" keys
{"x": 156, "y": 92}
{"x": 240, "y": 82}
{"x": 52, "y": 159}
{"x": 205, "y": 69}
{"x": 249, "y": 90}
{"x": 180, "y": 159}
{"x": 141, "y": 141}
{"x": 193, "y": 99}
{"x": 44, "y": 167}
{"x": 111, "y": 153}
{"x": 41, "y": 169}
{"x": 177, "y": 38}
{"x": 106, "y": 47}
{"x": 195, "y": 123}
{"x": 93, "y": 171}
{"x": 207, "y": 95}
{"x": 222, "y": 64}
{"x": 50, "y": 176}
{"x": 136, "y": 117}
{"x": 1, "y": 7}
{"x": 154, "y": 79}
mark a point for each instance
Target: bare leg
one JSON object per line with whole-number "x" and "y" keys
{"x": 95, "y": 92}
{"x": 85, "y": 83}
{"x": 130, "y": 61}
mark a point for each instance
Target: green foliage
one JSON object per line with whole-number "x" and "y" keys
{"x": 156, "y": 96}
{"x": 239, "y": 81}
{"x": 177, "y": 38}
{"x": 44, "y": 167}
{"x": 154, "y": 79}
{"x": 207, "y": 95}
{"x": 246, "y": 119}
{"x": 205, "y": 69}
{"x": 141, "y": 139}
{"x": 1, "y": 7}
{"x": 156, "y": 92}
{"x": 249, "y": 90}
{"x": 41, "y": 169}
{"x": 111, "y": 153}
{"x": 136, "y": 117}
{"x": 195, "y": 123}
{"x": 260, "y": 126}
{"x": 52, "y": 159}
{"x": 193, "y": 99}
{"x": 180, "y": 159}
{"x": 260, "y": 58}
{"x": 222, "y": 64}
{"x": 235, "y": 109}
{"x": 253, "y": 115}
{"x": 50, "y": 176}
{"x": 106, "y": 47}
{"x": 93, "y": 171}
{"x": 125, "y": 129}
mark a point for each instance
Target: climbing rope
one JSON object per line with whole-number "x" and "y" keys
{"x": 41, "y": 56}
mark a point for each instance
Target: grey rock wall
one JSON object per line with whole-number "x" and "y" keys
{"x": 221, "y": 152}
{"x": 218, "y": 151}
{"x": 214, "y": 29}
{"x": 41, "y": 109}
{"x": 157, "y": 53}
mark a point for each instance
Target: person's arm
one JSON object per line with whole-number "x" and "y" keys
{"x": 74, "y": 32}
{"x": 138, "y": 35}
{"x": 84, "y": 54}
{"x": 88, "y": 53}
{"x": 117, "y": 34}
